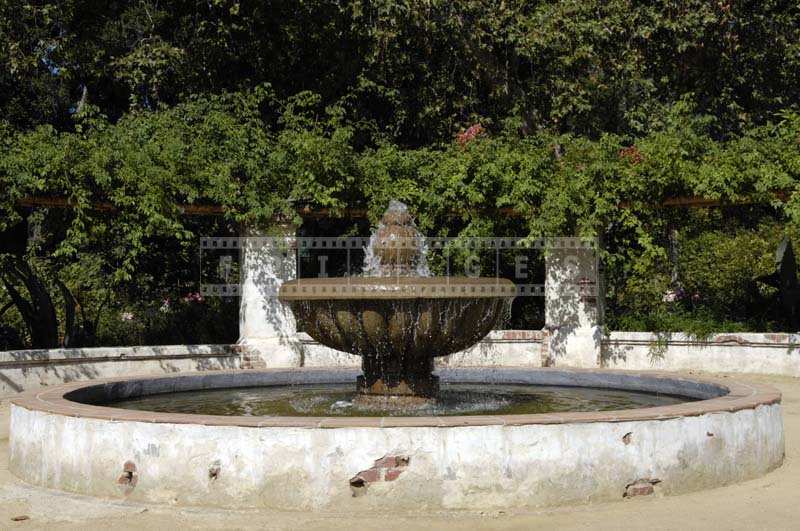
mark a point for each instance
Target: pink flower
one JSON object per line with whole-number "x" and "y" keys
{"x": 470, "y": 134}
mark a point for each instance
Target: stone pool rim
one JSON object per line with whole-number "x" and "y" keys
{"x": 395, "y": 288}
{"x": 737, "y": 396}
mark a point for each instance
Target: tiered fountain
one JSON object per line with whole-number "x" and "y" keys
{"x": 397, "y": 317}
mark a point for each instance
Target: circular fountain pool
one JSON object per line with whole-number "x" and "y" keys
{"x": 76, "y": 438}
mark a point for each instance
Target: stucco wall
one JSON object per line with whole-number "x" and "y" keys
{"x": 559, "y": 459}
{"x": 457, "y": 468}
{"x": 745, "y": 353}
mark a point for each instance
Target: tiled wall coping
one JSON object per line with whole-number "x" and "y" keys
{"x": 740, "y": 396}
{"x": 784, "y": 340}
{"x": 31, "y": 358}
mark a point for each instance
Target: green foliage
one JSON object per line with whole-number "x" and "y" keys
{"x": 698, "y": 324}
{"x": 718, "y": 284}
{"x": 213, "y": 320}
{"x": 592, "y": 114}
{"x": 259, "y": 157}
{"x": 415, "y": 71}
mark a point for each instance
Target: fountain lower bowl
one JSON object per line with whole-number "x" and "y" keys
{"x": 398, "y": 324}
{"x": 60, "y": 440}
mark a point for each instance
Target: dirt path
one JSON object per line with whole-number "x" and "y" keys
{"x": 770, "y": 502}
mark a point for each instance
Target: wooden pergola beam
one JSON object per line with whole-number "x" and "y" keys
{"x": 104, "y": 206}
{"x": 360, "y": 213}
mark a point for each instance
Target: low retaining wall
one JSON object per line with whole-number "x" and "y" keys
{"x": 742, "y": 353}
{"x": 29, "y": 369}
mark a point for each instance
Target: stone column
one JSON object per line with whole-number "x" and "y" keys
{"x": 267, "y": 329}
{"x": 573, "y": 303}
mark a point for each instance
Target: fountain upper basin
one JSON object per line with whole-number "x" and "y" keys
{"x": 413, "y": 316}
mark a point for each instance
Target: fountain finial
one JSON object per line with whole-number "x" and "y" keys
{"x": 397, "y": 247}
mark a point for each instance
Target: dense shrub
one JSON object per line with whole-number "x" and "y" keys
{"x": 570, "y": 117}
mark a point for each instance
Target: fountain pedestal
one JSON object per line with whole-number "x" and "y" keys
{"x": 404, "y": 382}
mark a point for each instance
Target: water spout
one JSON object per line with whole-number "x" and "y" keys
{"x": 396, "y": 247}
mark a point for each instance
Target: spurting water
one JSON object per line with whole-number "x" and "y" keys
{"x": 396, "y": 248}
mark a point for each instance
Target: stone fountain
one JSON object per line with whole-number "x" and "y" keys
{"x": 397, "y": 317}
{"x": 513, "y": 437}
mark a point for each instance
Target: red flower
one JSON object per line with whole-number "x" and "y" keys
{"x": 193, "y": 297}
{"x": 631, "y": 154}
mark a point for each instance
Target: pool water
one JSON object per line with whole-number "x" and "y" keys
{"x": 337, "y": 400}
